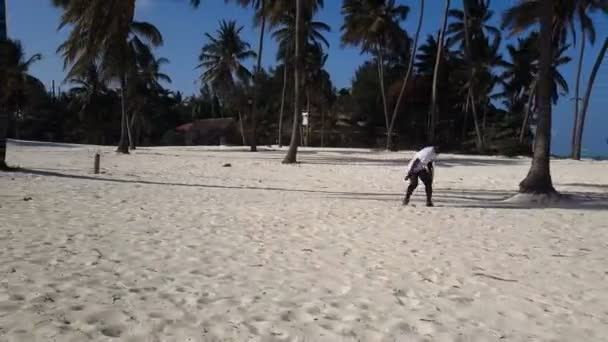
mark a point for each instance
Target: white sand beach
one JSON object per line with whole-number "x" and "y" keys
{"x": 166, "y": 244}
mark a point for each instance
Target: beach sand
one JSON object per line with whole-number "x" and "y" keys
{"x": 167, "y": 244}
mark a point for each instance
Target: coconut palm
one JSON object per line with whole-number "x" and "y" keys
{"x": 144, "y": 89}
{"x": 410, "y": 68}
{"x": 222, "y": 59}
{"x": 538, "y": 180}
{"x": 566, "y": 14}
{"x": 87, "y": 97}
{"x": 105, "y": 32}
{"x": 285, "y": 37}
{"x": 303, "y": 9}
{"x": 260, "y": 7}
{"x": 374, "y": 26}
{"x": 474, "y": 18}
{"x": 580, "y": 124}
{"x": 440, "y": 47}
{"x": 587, "y": 30}
{"x": 14, "y": 84}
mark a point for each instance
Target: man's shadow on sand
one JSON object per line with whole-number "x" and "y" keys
{"x": 595, "y": 199}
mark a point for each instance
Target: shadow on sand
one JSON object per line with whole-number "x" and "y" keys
{"x": 451, "y": 198}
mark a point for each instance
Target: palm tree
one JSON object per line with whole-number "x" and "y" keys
{"x": 260, "y": 7}
{"x": 566, "y": 12}
{"x": 222, "y": 59}
{"x": 105, "y": 31}
{"x": 538, "y": 180}
{"x": 374, "y": 26}
{"x": 587, "y": 30}
{"x": 474, "y": 18}
{"x": 303, "y": 9}
{"x": 477, "y": 69}
{"x": 410, "y": 68}
{"x": 440, "y": 48}
{"x": 14, "y": 82}
{"x": 284, "y": 35}
{"x": 580, "y": 124}
{"x": 290, "y": 157}
{"x": 145, "y": 88}
{"x": 87, "y": 94}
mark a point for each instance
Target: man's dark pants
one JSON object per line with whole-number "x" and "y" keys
{"x": 427, "y": 179}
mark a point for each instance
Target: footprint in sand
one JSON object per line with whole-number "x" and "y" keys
{"x": 112, "y": 331}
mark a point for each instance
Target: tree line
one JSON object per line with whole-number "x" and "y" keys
{"x": 463, "y": 87}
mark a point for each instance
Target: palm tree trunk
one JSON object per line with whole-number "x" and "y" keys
{"x": 478, "y": 137}
{"x": 466, "y": 117}
{"x": 410, "y": 67}
{"x": 538, "y": 180}
{"x": 581, "y": 120}
{"x": 123, "y": 143}
{"x": 3, "y": 131}
{"x": 242, "y": 128}
{"x": 579, "y": 70}
{"x": 131, "y": 129}
{"x": 524, "y": 125}
{"x": 254, "y": 121}
{"x": 433, "y": 110}
{"x": 282, "y": 104}
{"x": 291, "y": 156}
{"x": 382, "y": 91}
{"x": 309, "y": 115}
{"x": 322, "y": 127}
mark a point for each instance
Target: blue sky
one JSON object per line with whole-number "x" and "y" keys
{"x": 34, "y": 22}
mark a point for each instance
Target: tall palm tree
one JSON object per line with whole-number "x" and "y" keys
{"x": 410, "y": 68}
{"x": 303, "y": 9}
{"x": 538, "y": 180}
{"x": 145, "y": 87}
{"x": 587, "y": 30}
{"x": 291, "y": 155}
{"x": 260, "y": 7}
{"x": 285, "y": 37}
{"x": 14, "y": 82}
{"x": 566, "y": 13}
{"x": 374, "y": 26}
{"x": 105, "y": 31}
{"x": 580, "y": 124}
{"x": 222, "y": 59}
{"x": 440, "y": 47}
{"x": 88, "y": 91}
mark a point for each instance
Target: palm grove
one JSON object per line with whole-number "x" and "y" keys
{"x": 466, "y": 86}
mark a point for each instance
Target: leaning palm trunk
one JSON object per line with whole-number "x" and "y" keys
{"x": 134, "y": 129}
{"x": 291, "y": 156}
{"x": 524, "y": 125}
{"x": 579, "y": 70}
{"x": 3, "y": 131}
{"x": 538, "y": 180}
{"x": 410, "y": 67}
{"x": 382, "y": 91}
{"x": 130, "y": 126}
{"x": 282, "y": 104}
{"x": 580, "y": 124}
{"x": 478, "y": 136}
{"x": 242, "y": 129}
{"x": 254, "y": 122}
{"x": 433, "y": 110}
{"x": 123, "y": 144}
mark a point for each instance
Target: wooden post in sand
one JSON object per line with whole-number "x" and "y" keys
{"x": 96, "y": 163}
